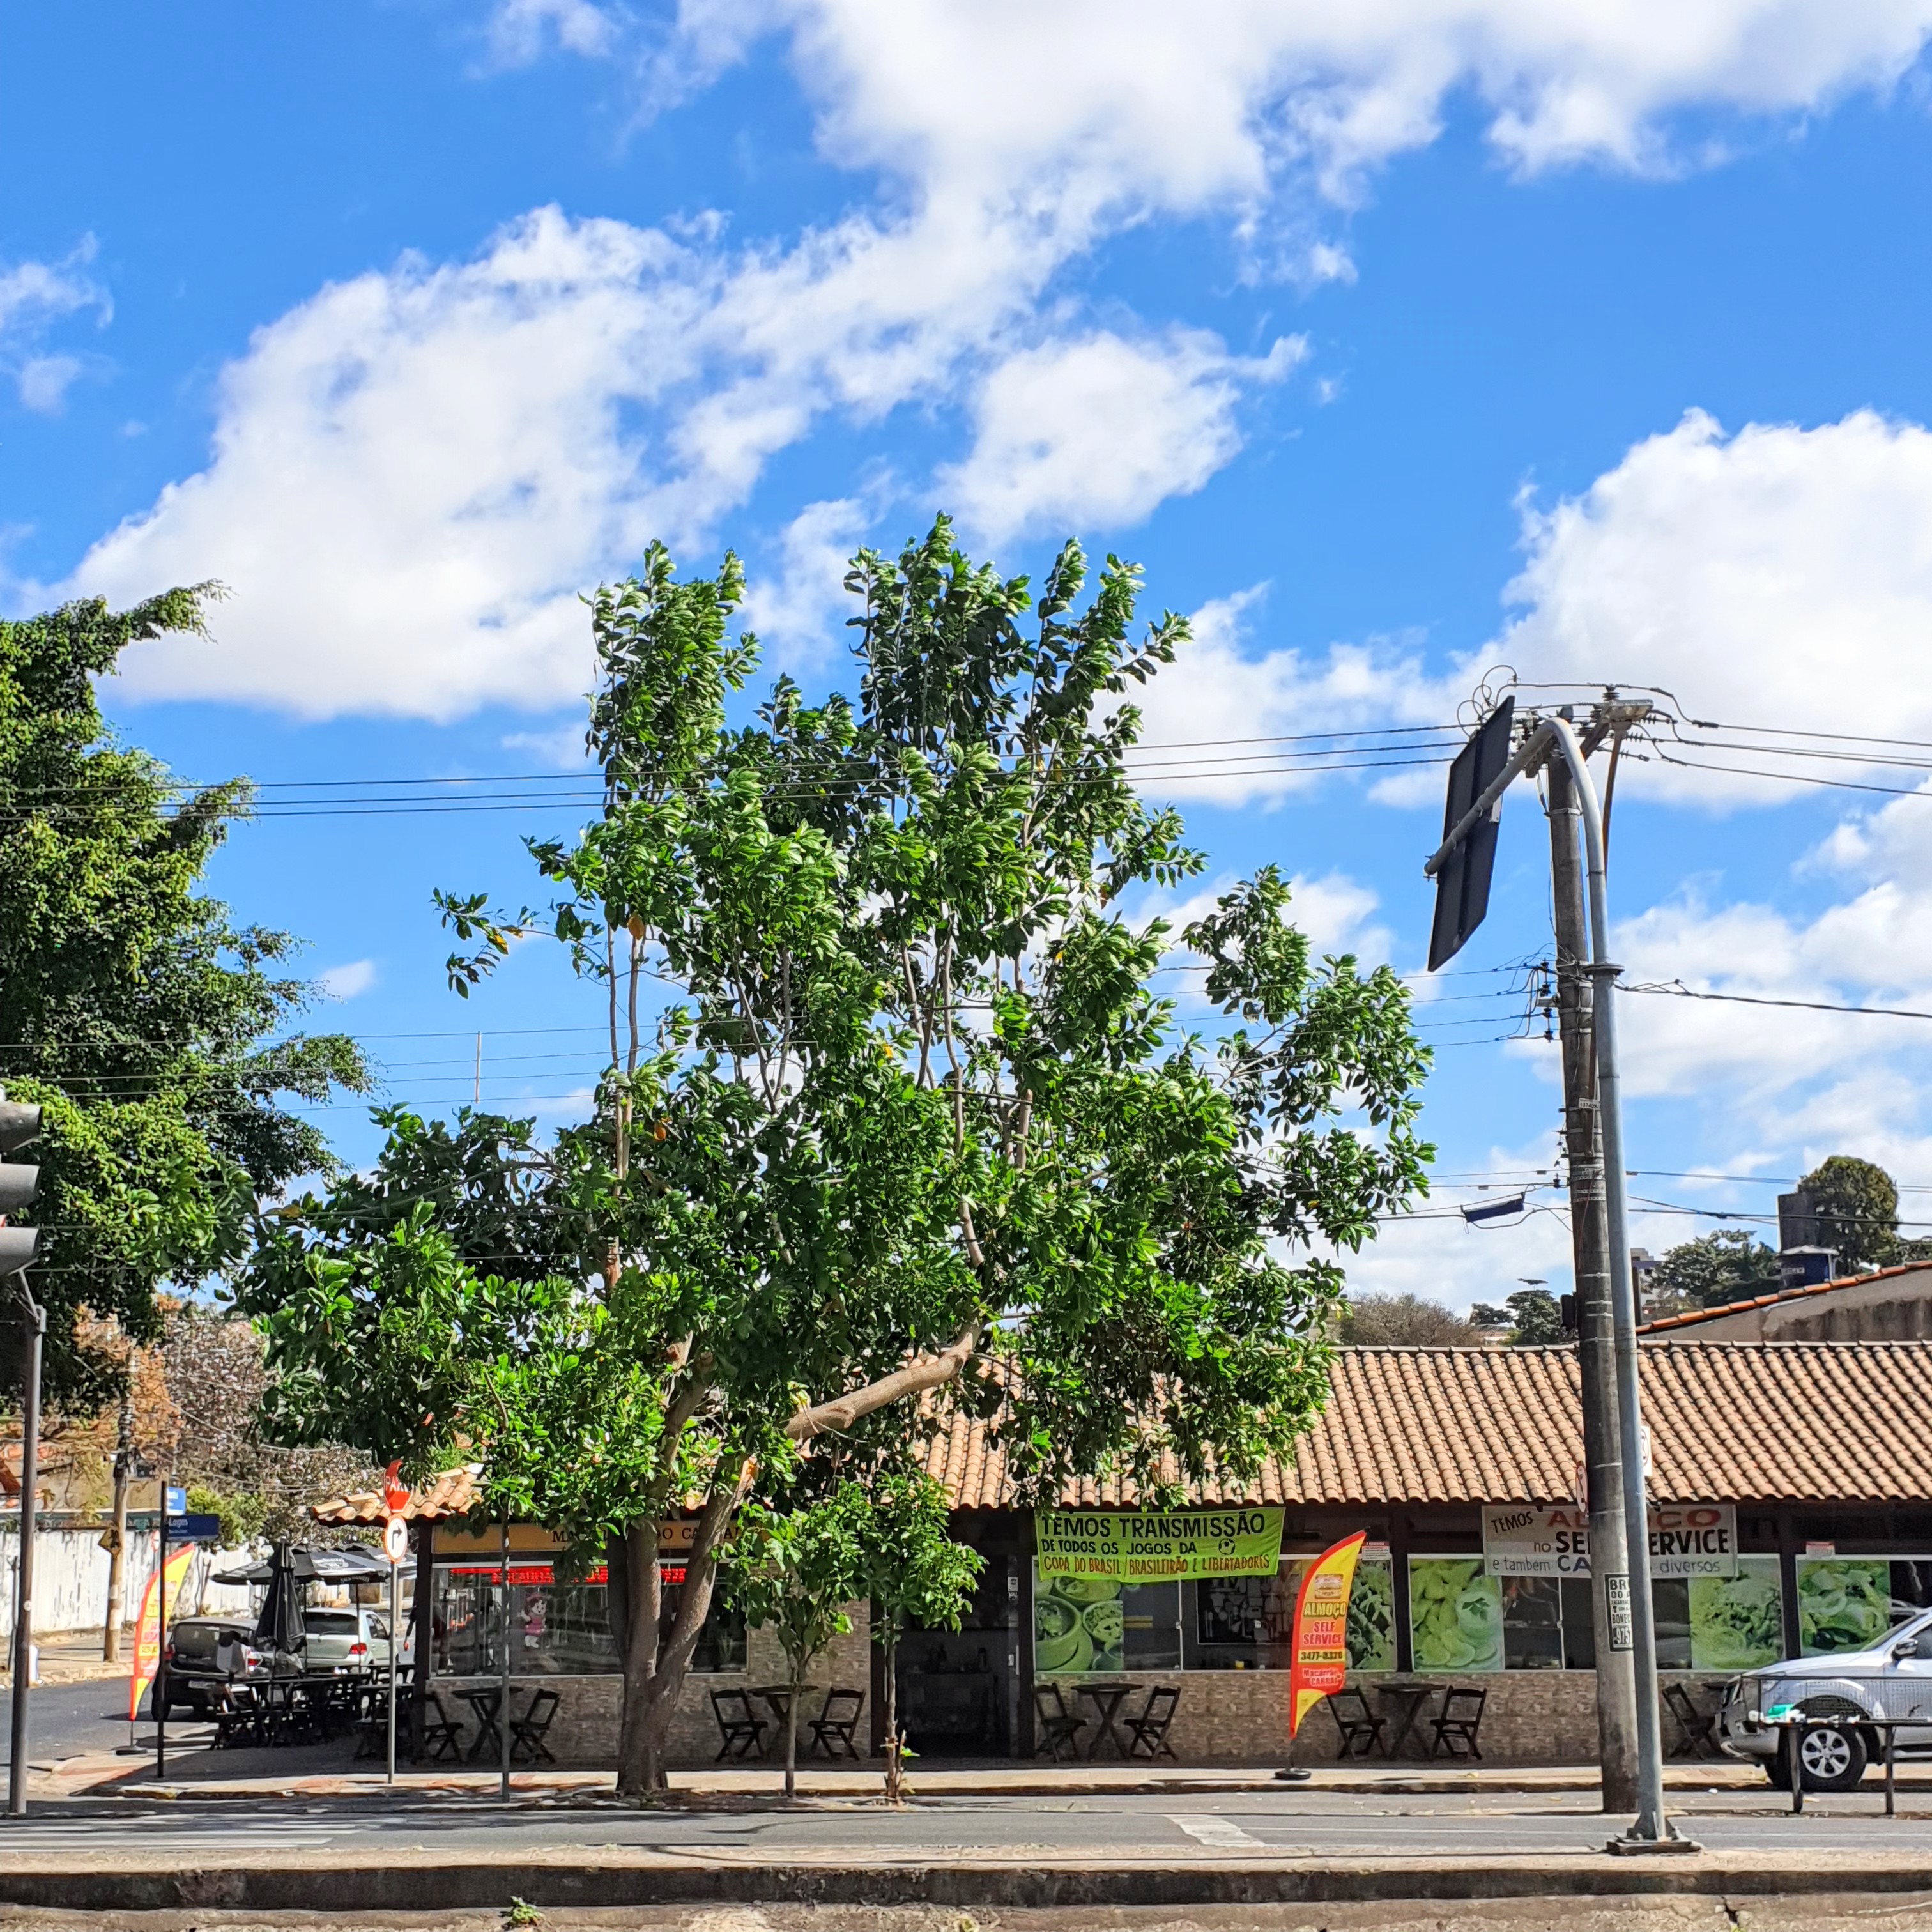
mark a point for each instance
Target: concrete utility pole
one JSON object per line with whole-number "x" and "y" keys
{"x": 1596, "y": 1346}
{"x": 117, "y": 1550}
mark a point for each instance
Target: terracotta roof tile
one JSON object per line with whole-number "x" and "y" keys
{"x": 1779, "y": 1421}
{"x": 1670, "y": 1324}
{"x": 1758, "y": 1422}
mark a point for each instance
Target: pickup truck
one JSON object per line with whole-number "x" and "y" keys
{"x": 1890, "y": 1680}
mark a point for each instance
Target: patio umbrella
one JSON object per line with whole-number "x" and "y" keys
{"x": 280, "y": 1627}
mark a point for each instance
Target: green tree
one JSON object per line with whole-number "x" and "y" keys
{"x": 893, "y": 1113}
{"x": 1730, "y": 1265}
{"x": 148, "y": 1026}
{"x": 793, "y": 1571}
{"x": 1856, "y": 1205}
{"x": 913, "y": 1572}
{"x": 1531, "y": 1315}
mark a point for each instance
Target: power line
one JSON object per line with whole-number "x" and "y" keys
{"x": 1677, "y": 991}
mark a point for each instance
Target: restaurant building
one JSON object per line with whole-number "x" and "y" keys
{"x": 1792, "y": 1514}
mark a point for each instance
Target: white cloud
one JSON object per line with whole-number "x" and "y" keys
{"x": 801, "y": 607}
{"x": 1779, "y": 576}
{"x": 519, "y": 32}
{"x": 346, "y": 982}
{"x": 1210, "y": 716}
{"x": 34, "y": 296}
{"x": 1089, "y": 105}
{"x": 414, "y": 473}
{"x": 1102, "y": 430}
{"x": 44, "y": 381}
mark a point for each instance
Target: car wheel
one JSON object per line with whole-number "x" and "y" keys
{"x": 1831, "y": 1760}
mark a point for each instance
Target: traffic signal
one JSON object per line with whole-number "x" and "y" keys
{"x": 19, "y": 1182}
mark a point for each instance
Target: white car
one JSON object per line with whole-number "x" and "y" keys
{"x": 1892, "y": 1680}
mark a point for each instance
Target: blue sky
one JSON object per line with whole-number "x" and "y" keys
{"x": 1396, "y": 344}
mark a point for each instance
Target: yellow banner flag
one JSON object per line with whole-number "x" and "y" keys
{"x": 1319, "y": 1658}
{"x": 147, "y": 1626}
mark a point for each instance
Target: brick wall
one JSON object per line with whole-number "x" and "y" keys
{"x": 1240, "y": 1717}
{"x": 584, "y": 1731}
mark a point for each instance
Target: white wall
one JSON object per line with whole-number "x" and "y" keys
{"x": 71, "y": 1580}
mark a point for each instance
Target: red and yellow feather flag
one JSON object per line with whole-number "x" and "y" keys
{"x": 148, "y": 1634}
{"x": 1320, "y": 1652}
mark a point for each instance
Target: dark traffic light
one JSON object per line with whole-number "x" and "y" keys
{"x": 19, "y": 1182}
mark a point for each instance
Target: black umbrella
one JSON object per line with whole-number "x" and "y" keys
{"x": 280, "y": 1627}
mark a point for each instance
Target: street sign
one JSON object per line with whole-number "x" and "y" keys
{"x": 193, "y": 1528}
{"x": 396, "y": 1539}
{"x": 1463, "y": 884}
{"x": 174, "y": 1499}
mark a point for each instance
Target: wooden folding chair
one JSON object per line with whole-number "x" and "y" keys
{"x": 1149, "y": 1730}
{"x": 1057, "y": 1725}
{"x": 740, "y": 1727}
{"x": 1461, "y": 1719}
{"x": 1361, "y": 1730}
{"x": 832, "y": 1730}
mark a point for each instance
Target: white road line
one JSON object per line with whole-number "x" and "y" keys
{"x": 1210, "y": 1830}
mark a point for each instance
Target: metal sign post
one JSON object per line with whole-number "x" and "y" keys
{"x": 395, "y": 1547}
{"x": 1651, "y": 1831}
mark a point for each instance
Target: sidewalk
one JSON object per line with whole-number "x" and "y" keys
{"x": 103, "y": 1775}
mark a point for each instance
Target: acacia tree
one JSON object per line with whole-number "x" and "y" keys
{"x": 148, "y": 1026}
{"x": 892, "y": 1115}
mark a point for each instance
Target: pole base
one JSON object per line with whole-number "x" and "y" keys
{"x": 1294, "y": 1774}
{"x": 1629, "y": 1846}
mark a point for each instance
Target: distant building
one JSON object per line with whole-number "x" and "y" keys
{"x": 1892, "y": 1304}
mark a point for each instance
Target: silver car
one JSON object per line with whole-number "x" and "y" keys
{"x": 1891, "y": 1681}
{"x": 346, "y": 1640}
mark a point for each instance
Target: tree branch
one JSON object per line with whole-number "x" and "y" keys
{"x": 922, "y": 1373}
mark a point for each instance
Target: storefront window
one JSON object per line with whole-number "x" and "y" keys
{"x": 1532, "y": 1610}
{"x": 1093, "y": 1625}
{"x": 1849, "y": 1602}
{"x": 556, "y": 1629}
{"x": 1720, "y": 1623}
{"x": 1246, "y": 1623}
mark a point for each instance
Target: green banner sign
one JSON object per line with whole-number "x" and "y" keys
{"x": 1134, "y": 1548}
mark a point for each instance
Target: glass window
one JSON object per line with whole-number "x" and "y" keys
{"x": 556, "y": 1629}
{"x": 1455, "y": 1615}
{"x": 1737, "y": 1623}
{"x": 1095, "y": 1624}
{"x": 1532, "y": 1608}
{"x": 1579, "y": 1630}
{"x": 1246, "y": 1623}
{"x": 1849, "y": 1602}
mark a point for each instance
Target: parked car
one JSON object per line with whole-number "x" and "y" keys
{"x": 356, "y": 1639}
{"x": 203, "y": 1654}
{"x": 1890, "y": 1680}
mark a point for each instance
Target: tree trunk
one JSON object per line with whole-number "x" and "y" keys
{"x": 791, "y": 1730}
{"x": 640, "y": 1769}
{"x": 894, "y": 1788}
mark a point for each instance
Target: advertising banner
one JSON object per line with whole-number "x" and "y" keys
{"x": 147, "y": 1626}
{"x": 1133, "y": 1548}
{"x": 1321, "y": 1648}
{"x": 1540, "y": 1539}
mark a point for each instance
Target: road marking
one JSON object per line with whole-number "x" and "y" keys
{"x": 1223, "y": 1833}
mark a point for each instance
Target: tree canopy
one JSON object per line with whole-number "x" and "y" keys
{"x": 1730, "y": 1265}
{"x": 894, "y": 1117}
{"x": 1412, "y": 1320}
{"x": 1855, "y": 1204}
{"x": 148, "y": 1027}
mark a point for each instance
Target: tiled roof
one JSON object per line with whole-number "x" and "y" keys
{"x": 449, "y": 1494}
{"x": 1781, "y": 1421}
{"x": 1729, "y": 1422}
{"x": 1667, "y": 1323}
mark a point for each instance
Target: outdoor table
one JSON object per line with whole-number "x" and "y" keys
{"x": 778, "y": 1697}
{"x": 1794, "y": 1747}
{"x": 1410, "y": 1696}
{"x": 1106, "y": 1700}
{"x": 485, "y": 1702}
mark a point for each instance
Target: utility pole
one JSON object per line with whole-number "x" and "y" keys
{"x": 1596, "y": 1347}
{"x": 1461, "y": 866}
{"x": 36, "y": 1327}
{"x": 117, "y": 1550}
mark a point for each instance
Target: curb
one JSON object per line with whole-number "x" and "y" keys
{"x": 479, "y": 1885}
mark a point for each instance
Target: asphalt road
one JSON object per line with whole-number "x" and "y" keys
{"x": 64, "y": 1720}
{"x": 1168, "y": 1826}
